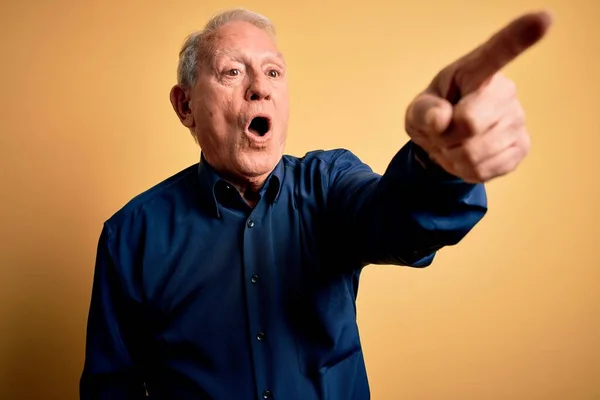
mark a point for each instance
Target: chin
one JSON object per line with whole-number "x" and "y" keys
{"x": 257, "y": 163}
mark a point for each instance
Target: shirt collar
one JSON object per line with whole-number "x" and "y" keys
{"x": 210, "y": 182}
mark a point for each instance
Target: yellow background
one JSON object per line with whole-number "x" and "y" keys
{"x": 513, "y": 312}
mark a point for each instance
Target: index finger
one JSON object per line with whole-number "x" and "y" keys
{"x": 475, "y": 68}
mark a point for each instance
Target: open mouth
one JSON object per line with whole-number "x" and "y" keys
{"x": 259, "y": 126}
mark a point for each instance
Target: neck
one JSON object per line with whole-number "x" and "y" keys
{"x": 248, "y": 188}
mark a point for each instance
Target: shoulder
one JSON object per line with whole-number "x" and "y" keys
{"x": 322, "y": 158}
{"x": 334, "y": 163}
{"x": 319, "y": 171}
{"x": 155, "y": 197}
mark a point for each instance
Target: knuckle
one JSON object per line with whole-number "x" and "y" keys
{"x": 469, "y": 154}
{"x": 510, "y": 87}
{"x": 467, "y": 117}
{"x": 471, "y": 122}
{"x": 519, "y": 115}
{"x": 503, "y": 86}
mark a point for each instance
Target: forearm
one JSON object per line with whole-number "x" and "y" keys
{"x": 415, "y": 209}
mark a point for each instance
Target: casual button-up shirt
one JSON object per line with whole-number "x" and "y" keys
{"x": 197, "y": 295}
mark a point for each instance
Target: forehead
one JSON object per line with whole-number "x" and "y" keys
{"x": 243, "y": 37}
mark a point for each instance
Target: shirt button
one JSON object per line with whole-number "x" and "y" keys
{"x": 260, "y": 336}
{"x": 250, "y": 224}
{"x": 254, "y": 278}
{"x": 267, "y": 394}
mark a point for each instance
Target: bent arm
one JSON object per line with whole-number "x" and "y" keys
{"x": 404, "y": 216}
{"x": 109, "y": 370}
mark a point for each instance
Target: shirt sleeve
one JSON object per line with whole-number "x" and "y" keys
{"x": 109, "y": 370}
{"x": 403, "y": 216}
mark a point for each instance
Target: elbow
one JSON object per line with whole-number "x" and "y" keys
{"x": 420, "y": 259}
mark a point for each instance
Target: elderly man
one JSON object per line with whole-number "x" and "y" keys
{"x": 237, "y": 277}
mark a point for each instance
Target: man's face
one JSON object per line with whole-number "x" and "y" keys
{"x": 240, "y": 103}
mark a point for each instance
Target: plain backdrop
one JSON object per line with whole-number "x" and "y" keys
{"x": 512, "y": 312}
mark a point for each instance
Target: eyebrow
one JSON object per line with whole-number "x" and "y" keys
{"x": 236, "y": 54}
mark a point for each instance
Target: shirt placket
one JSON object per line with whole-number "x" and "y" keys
{"x": 255, "y": 237}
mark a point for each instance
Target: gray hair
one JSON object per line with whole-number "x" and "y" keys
{"x": 198, "y": 46}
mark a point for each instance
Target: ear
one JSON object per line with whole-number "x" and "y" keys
{"x": 181, "y": 104}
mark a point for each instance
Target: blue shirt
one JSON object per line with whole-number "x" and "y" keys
{"x": 196, "y": 295}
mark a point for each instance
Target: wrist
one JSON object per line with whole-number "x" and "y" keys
{"x": 429, "y": 166}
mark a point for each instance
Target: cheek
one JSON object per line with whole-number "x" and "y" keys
{"x": 283, "y": 109}
{"x": 228, "y": 108}
{"x": 216, "y": 117}
{"x": 216, "y": 104}
{"x": 220, "y": 110}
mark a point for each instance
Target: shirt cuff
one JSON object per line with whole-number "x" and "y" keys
{"x": 429, "y": 167}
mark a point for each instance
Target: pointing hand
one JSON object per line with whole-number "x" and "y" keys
{"x": 469, "y": 119}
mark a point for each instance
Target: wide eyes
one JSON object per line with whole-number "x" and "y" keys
{"x": 234, "y": 72}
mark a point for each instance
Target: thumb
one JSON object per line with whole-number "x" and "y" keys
{"x": 429, "y": 114}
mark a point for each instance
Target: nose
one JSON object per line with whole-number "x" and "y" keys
{"x": 258, "y": 89}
